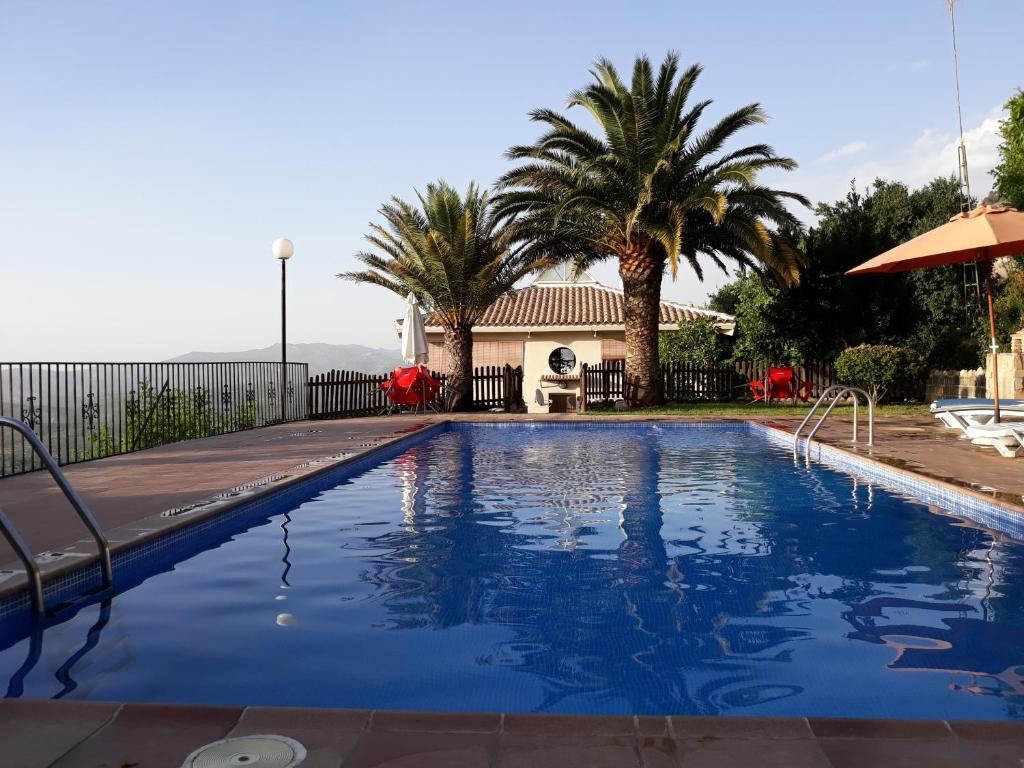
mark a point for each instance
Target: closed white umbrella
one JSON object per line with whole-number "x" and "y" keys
{"x": 414, "y": 338}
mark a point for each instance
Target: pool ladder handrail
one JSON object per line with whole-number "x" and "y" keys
{"x": 840, "y": 390}
{"x": 76, "y": 501}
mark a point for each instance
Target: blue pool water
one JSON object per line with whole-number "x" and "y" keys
{"x": 592, "y": 569}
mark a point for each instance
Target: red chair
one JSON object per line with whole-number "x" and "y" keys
{"x": 780, "y": 384}
{"x": 410, "y": 387}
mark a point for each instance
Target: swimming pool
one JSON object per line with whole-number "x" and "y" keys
{"x": 580, "y": 568}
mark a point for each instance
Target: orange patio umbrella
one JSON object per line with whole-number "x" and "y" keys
{"x": 983, "y": 235}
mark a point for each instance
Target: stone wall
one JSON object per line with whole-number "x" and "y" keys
{"x": 949, "y": 385}
{"x": 1011, "y": 370}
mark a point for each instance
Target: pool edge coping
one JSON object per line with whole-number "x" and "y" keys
{"x": 900, "y": 479}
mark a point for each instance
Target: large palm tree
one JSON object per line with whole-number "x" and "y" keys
{"x": 651, "y": 191}
{"x": 456, "y": 256}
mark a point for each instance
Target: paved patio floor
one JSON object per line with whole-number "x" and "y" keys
{"x": 41, "y": 734}
{"x": 126, "y": 490}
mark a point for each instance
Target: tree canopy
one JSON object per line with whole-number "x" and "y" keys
{"x": 928, "y": 310}
{"x": 653, "y": 189}
{"x": 1009, "y": 174}
{"x": 454, "y": 254}
{"x": 696, "y": 342}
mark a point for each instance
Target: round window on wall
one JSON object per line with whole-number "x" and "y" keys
{"x": 562, "y": 360}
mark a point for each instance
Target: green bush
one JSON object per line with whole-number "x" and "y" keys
{"x": 877, "y": 367}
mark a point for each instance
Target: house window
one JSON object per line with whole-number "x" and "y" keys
{"x": 562, "y": 360}
{"x": 612, "y": 349}
{"x": 487, "y": 352}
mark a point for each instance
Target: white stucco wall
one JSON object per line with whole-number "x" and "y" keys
{"x": 536, "y": 347}
{"x": 585, "y": 345}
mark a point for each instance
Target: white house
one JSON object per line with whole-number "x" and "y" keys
{"x": 551, "y": 328}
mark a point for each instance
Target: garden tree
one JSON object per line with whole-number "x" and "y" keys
{"x": 1009, "y": 173}
{"x": 828, "y": 311}
{"x": 877, "y": 367}
{"x": 1008, "y": 305}
{"x": 765, "y": 321}
{"x": 697, "y": 342}
{"x": 456, "y": 257}
{"x": 652, "y": 191}
{"x": 1009, "y": 188}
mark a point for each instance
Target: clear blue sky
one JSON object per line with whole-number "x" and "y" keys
{"x": 150, "y": 152}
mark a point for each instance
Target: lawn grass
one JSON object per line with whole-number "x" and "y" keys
{"x": 760, "y": 410}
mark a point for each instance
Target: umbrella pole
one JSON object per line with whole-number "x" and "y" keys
{"x": 995, "y": 347}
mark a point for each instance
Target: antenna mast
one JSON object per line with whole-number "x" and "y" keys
{"x": 972, "y": 281}
{"x": 965, "y": 181}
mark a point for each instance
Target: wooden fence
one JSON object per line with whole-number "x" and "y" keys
{"x": 684, "y": 382}
{"x": 693, "y": 383}
{"x": 339, "y": 394}
{"x": 336, "y": 394}
{"x": 495, "y": 386}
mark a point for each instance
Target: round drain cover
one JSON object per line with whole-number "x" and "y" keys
{"x": 248, "y": 752}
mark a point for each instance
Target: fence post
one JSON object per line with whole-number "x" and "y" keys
{"x": 583, "y": 388}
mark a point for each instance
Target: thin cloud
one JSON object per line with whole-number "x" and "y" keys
{"x": 853, "y": 148}
{"x": 933, "y": 153}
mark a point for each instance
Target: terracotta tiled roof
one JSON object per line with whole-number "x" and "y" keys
{"x": 574, "y": 304}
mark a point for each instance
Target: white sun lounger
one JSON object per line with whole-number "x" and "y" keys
{"x": 1008, "y": 439}
{"x": 955, "y": 414}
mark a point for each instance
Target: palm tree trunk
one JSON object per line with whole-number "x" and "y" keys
{"x": 641, "y": 287}
{"x": 458, "y": 344}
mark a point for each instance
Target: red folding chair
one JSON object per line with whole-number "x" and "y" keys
{"x": 780, "y": 384}
{"x": 410, "y": 388}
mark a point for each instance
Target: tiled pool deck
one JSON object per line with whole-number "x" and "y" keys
{"x": 90, "y": 735}
{"x": 128, "y": 493}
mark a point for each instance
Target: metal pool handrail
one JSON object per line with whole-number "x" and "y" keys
{"x": 840, "y": 390}
{"x": 35, "y": 582}
{"x": 73, "y": 498}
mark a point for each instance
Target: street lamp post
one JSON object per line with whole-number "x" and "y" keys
{"x": 283, "y": 250}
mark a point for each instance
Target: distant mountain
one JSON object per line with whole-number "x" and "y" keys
{"x": 321, "y": 357}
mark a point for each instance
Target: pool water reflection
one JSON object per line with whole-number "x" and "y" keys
{"x": 648, "y": 569}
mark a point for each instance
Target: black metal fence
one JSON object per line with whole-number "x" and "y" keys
{"x": 340, "y": 394}
{"x": 86, "y": 411}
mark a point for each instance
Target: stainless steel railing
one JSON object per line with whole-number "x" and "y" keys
{"x": 15, "y": 540}
{"x": 839, "y": 391}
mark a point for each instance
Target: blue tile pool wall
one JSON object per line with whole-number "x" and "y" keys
{"x": 949, "y": 500}
{"x": 134, "y": 564}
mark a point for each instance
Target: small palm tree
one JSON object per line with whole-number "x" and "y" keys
{"x": 650, "y": 191}
{"x": 456, "y": 257}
